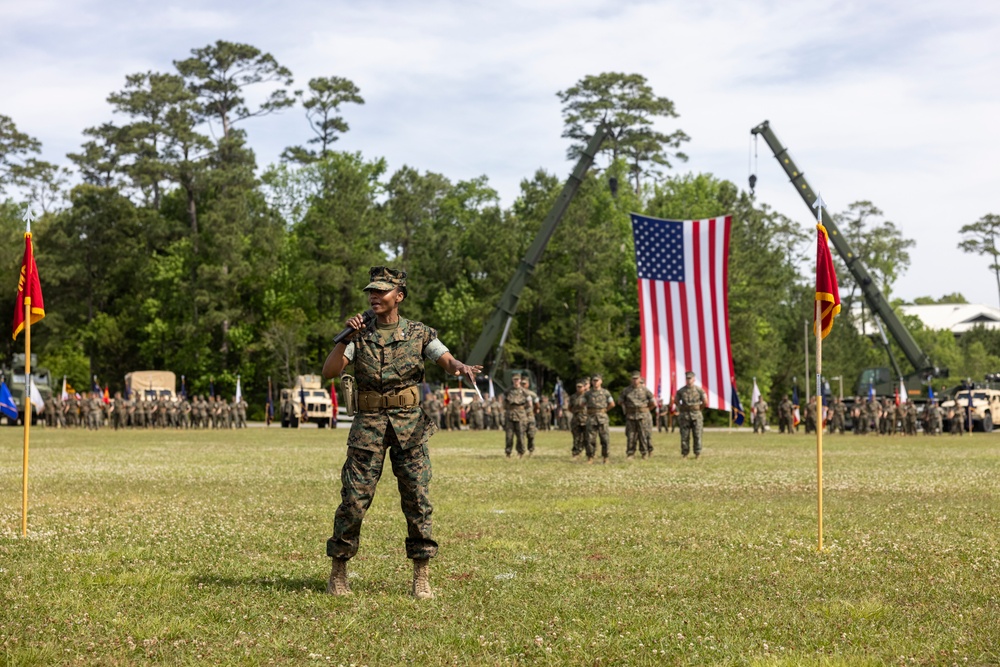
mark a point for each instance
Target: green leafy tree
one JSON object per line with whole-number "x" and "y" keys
{"x": 579, "y": 313}
{"x": 414, "y": 202}
{"x": 628, "y": 105}
{"x": 93, "y": 253}
{"x": 218, "y": 74}
{"x": 185, "y": 153}
{"x": 16, "y": 151}
{"x": 100, "y": 159}
{"x": 879, "y": 243}
{"x": 333, "y": 244}
{"x": 327, "y": 94}
{"x": 980, "y": 238}
{"x": 954, "y": 297}
{"x": 42, "y": 181}
{"x": 149, "y": 99}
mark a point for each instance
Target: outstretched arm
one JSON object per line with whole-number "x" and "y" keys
{"x": 453, "y": 366}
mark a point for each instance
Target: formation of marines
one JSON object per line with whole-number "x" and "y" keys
{"x": 872, "y": 416}
{"x": 91, "y": 411}
{"x": 520, "y": 412}
{"x": 869, "y": 416}
{"x": 479, "y": 415}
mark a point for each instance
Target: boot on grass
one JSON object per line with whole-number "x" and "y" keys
{"x": 337, "y": 585}
{"x": 422, "y": 579}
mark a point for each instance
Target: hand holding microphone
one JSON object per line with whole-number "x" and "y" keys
{"x": 356, "y": 323}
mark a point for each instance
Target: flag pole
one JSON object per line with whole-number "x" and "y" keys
{"x": 27, "y": 414}
{"x": 818, "y": 330}
{"x": 805, "y": 349}
{"x": 819, "y": 423}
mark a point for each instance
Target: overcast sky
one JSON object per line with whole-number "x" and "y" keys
{"x": 896, "y": 102}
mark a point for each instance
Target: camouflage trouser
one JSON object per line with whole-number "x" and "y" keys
{"x": 597, "y": 426}
{"x": 638, "y": 432}
{"x": 691, "y": 425}
{"x": 531, "y": 430}
{"x": 579, "y": 430}
{"x": 515, "y": 428}
{"x": 477, "y": 421}
{"x": 759, "y": 424}
{"x": 957, "y": 425}
{"x": 362, "y": 470}
{"x": 785, "y": 423}
{"x": 454, "y": 422}
{"x": 837, "y": 424}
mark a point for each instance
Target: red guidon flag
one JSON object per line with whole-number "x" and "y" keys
{"x": 826, "y": 285}
{"x": 29, "y": 290}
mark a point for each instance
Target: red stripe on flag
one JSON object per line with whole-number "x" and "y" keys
{"x": 731, "y": 375}
{"x": 654, "y": 352}
{"x": 642, "y": 319}
{"x": 671, "y": 349}
{"x": 685, "y": 328}
{"x": 699, "y": 303}
{"x": 714, "y": 303}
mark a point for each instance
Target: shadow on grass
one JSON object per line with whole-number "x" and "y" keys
{"x": 297, "y": 584}
{"x": 293, "y": 584}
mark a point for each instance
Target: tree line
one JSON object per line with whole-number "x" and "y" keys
{"x": 173, "y": 249}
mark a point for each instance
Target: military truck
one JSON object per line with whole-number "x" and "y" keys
{"x": 984, "y": 403}
{"x": 151, "y": 385}
{"x": 15, "y": 379}
{"x": 308, "y": 390}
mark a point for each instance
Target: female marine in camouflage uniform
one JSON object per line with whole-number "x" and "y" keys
{"x": 388, "y": 355}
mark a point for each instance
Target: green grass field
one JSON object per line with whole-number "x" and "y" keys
{"x": 209, "y": 548}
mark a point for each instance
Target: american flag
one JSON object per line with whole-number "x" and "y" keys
{"x": 683, "y": 271}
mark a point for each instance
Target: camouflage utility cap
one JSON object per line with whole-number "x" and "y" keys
{"x": 383, "y": 279}
{"x": 636, "y": 374}
{"x": 596, "y": 376}
{"x": 689, "y": 374}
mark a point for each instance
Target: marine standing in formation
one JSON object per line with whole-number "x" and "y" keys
{"x": 838, "y": 415}
{"x": 598, "y": 401}
{"x": 690, "y": 400}
{"x": 515, "y": 402}
{"x": 637, "y": 401}
{"x": 388, "y": 354}
{"x": 476, "y": 422}
{"x": 760, "y": 416}
{"x": 786, "y": 419}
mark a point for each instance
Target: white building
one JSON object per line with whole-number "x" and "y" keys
{"x": 956, "y": 317}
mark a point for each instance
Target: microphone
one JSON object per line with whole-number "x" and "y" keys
{"x": 366, "y": 317}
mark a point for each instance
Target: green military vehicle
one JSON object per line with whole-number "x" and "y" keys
{"x": 15, "y": 379}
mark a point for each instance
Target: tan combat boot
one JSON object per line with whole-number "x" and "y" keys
{"x": 422, "y": 579}
{"x": 337, "y": 585}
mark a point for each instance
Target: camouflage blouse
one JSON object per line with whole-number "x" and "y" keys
{"x": 388, "y": 368}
